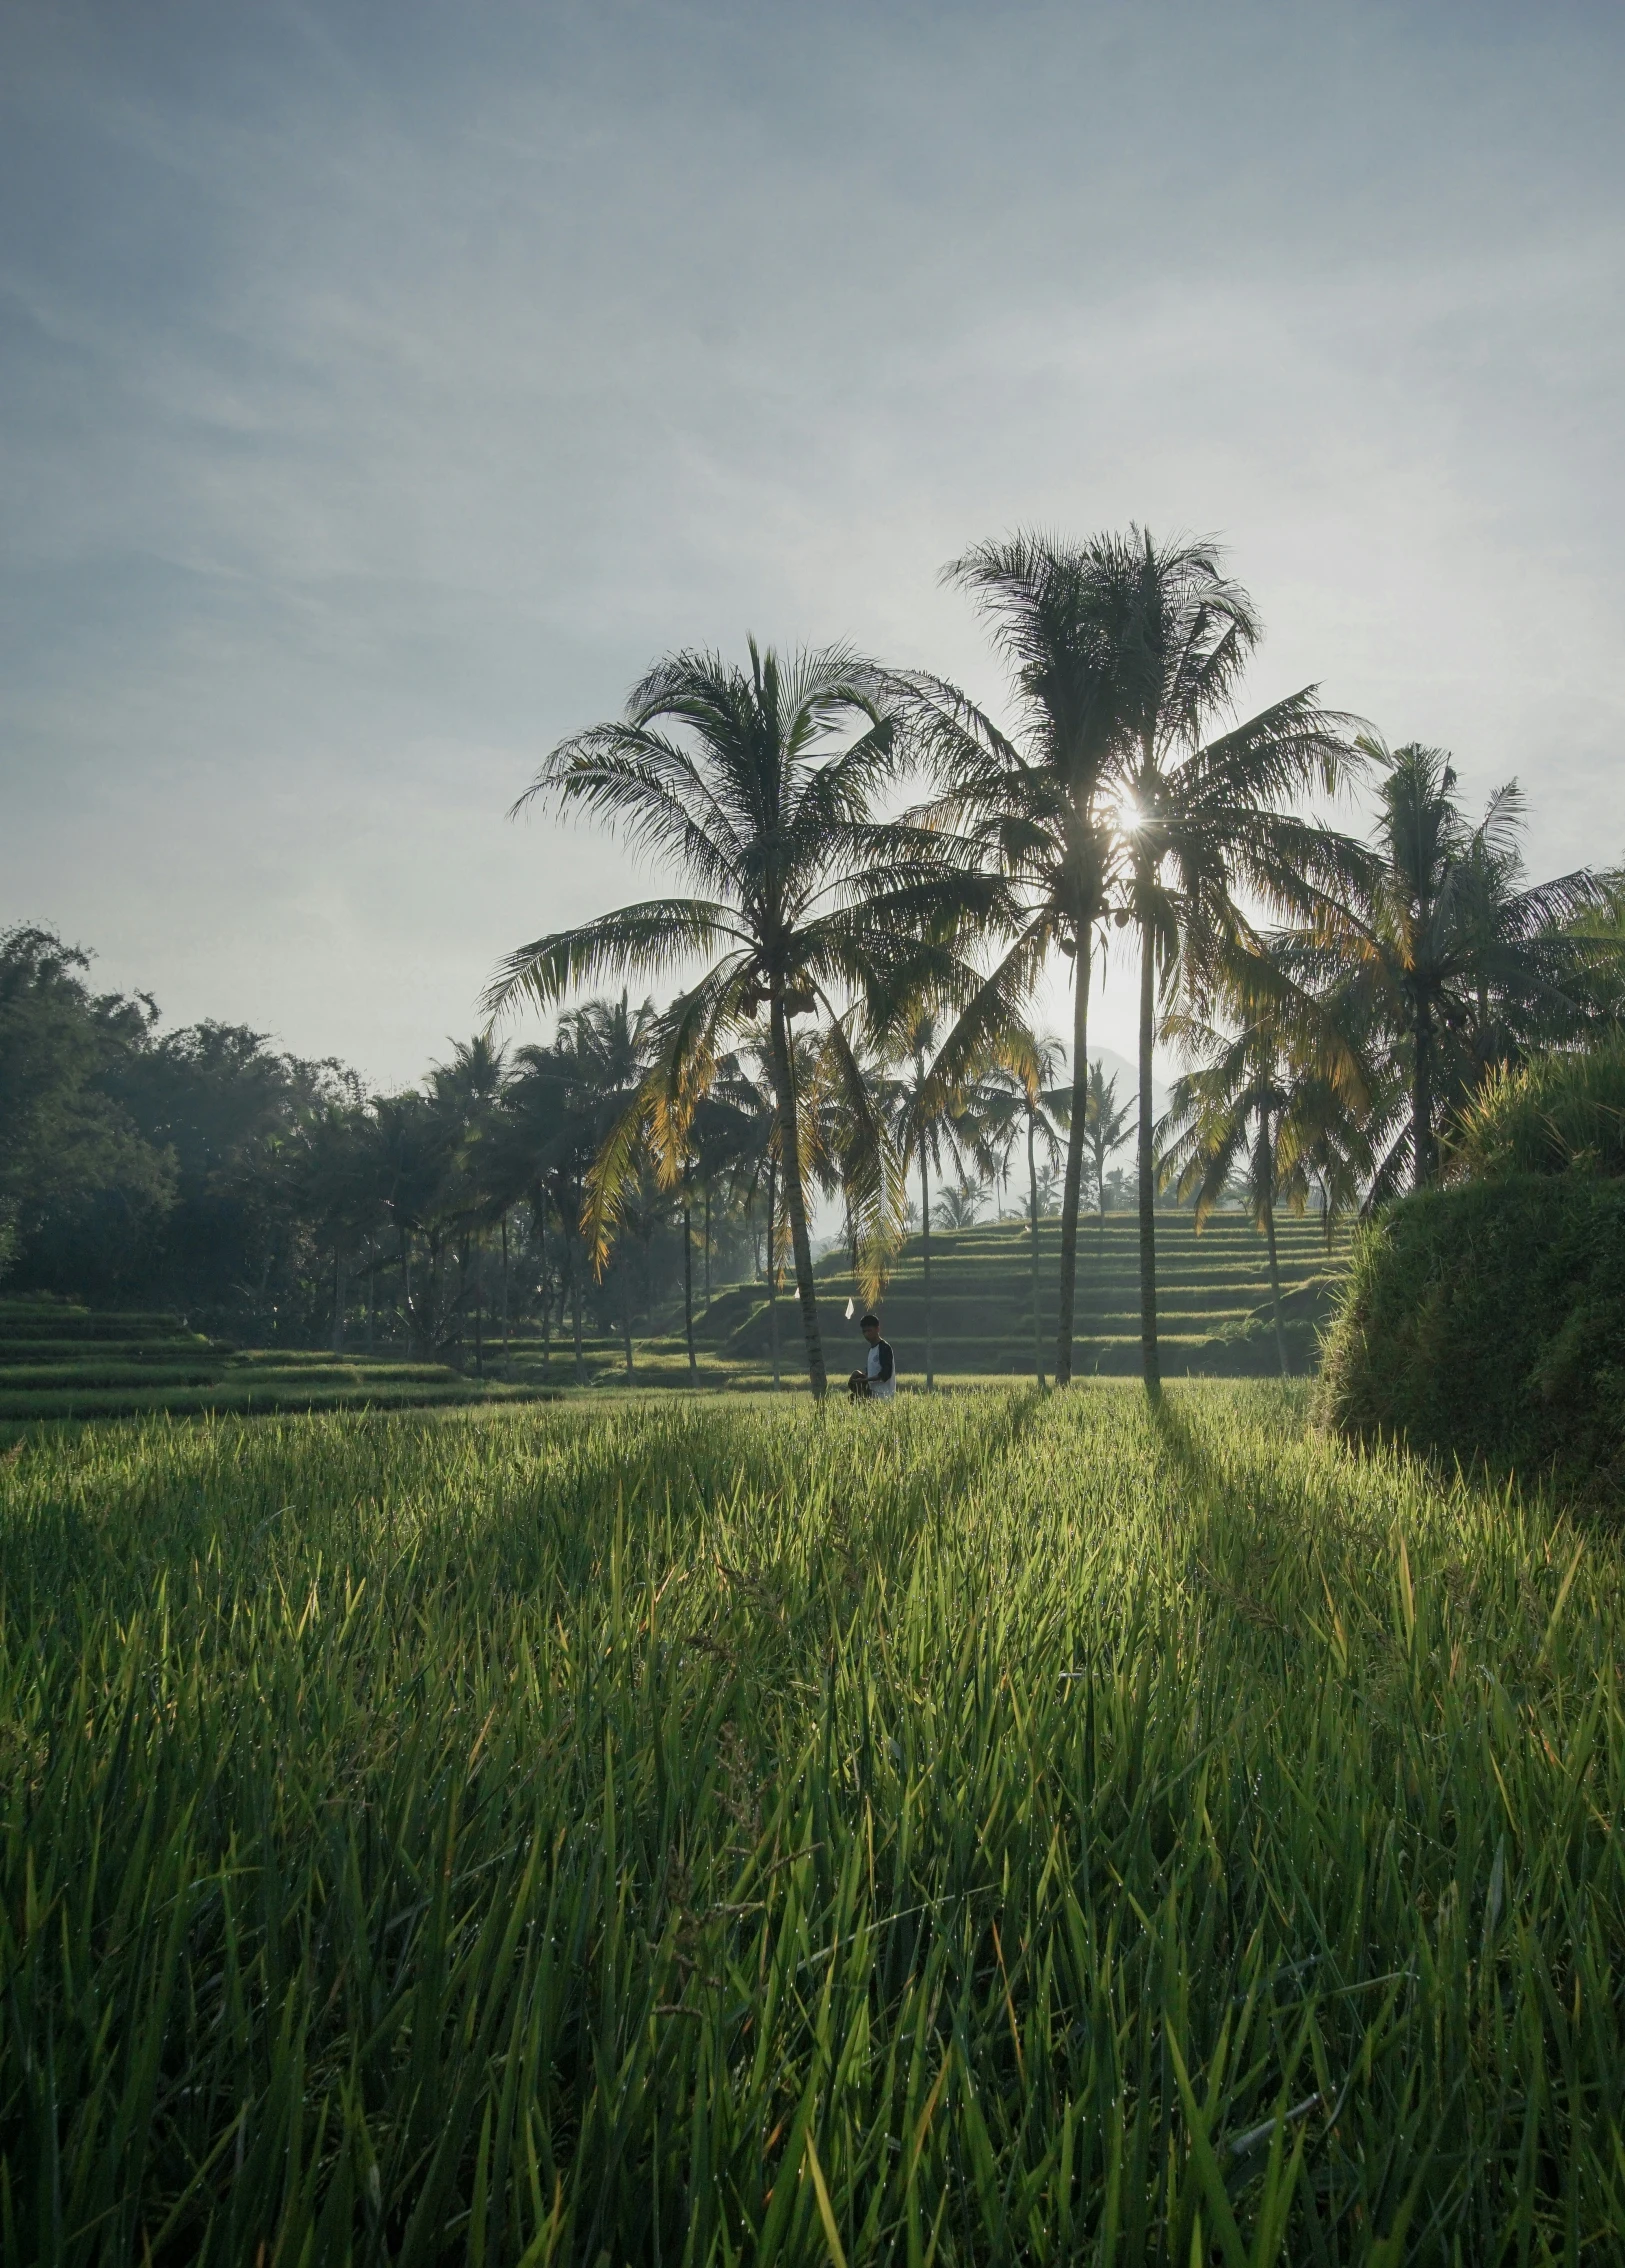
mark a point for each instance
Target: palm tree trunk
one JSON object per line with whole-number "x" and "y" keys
{"x": 1266, "y": 1185}
{"x": 338, "y": 1302}
{"x": 1150, "y": 1362}
{"x": 688, "y": 1294}
{"x": 708, "y": 1248}
{"x": 504, "y": 1291}
{"x": 925, "y": 1260}
{"x": 795, "y": 1199}
{"x": 575, "y": 1321}
{"x": 1073, "y": 1191}
{"x": 540, "y": 1215}
{"x": 626, "y": 1316}
{"x": 1422, "y": 1100}
{"x": 1032, "y": 1186}
{"x": 479, "y": 1307}
{"x": 771, "y": 1249}
{"x": 406, "y": 1289}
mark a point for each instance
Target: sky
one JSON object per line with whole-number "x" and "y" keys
{"x": 383, "y": 387}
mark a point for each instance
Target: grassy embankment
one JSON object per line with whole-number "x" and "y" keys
{"x": 991, "y": 1828}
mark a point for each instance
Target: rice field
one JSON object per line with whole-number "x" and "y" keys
{"x": 993, "y": 1828}
{"x": 62, "y": 1361}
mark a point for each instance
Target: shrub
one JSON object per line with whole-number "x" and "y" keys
{"x": 1557, "y": 1112}
{"x": 1488, "y": 1323}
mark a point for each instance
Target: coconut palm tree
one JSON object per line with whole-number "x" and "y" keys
{"x": 1438, "y": 953}
{"x": 758, "y": 785}
{"x": 959, "y": 1205}
{"x": 468, "y": 1091}
{"x": 1030, "y": 807}
{"x": 1018, "y": 1097}
{"x": 922, "y": 1110}
{"x": 546, "y": 1141}
{"x": 604, "y": 1049}
{"x": 1281, "y": 1097}
{"x": 1106, "y": 1129}
{"x": 1113, "y": 794}
{"x": 1202, "y": 815}
{"x": 736, "y": 1123}
{"x": 558, "y": 1106}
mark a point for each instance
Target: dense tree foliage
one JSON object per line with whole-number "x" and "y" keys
{"x": 269, "y": 1198}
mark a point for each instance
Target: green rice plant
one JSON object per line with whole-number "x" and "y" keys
{"x": 990, "y": 1828}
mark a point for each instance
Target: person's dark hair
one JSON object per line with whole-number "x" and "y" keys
{"x": 864, "y": 1322}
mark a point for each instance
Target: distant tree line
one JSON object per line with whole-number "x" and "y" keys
{"x": 272, "y": 1199}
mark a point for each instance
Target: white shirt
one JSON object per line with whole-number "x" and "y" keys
{"x": 881, "y": 1372}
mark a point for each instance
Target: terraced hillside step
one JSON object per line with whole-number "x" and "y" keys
{"x": 1213, "y": 1299}
{"x": 24, "y": 1377}
{"x": 62, "y": 1361}
{"x": 179, "y": 1349}
{"x": 993, "y": 1272}
{"x": 77, "y": 1326}
{"x": 247, "y": 1398}
{"x": 961, "y": 1302}
{"x": 335, "y": 1370}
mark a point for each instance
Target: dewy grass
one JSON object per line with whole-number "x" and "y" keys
{"x": 991, "y": 1828}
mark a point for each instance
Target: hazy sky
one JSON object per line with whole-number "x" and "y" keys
{"x": 381, "y": 388}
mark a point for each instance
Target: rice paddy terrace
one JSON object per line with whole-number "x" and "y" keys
{"x": 62, "y": 1360}
{"x": 1212, "y": 1295}
{"x": 58, "y": 1359}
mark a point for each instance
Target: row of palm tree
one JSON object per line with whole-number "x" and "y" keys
{"x": 881, "y": 958}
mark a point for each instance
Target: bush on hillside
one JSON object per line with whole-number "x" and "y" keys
{"x": 1556, "y": 1113}
{"x": 1488, "y": 1323}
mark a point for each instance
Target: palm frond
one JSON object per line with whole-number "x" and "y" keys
{"x": 637, "y": 942}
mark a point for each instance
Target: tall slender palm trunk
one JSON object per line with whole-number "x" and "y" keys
{"x": 795, "y": 1200}
{"x": 925, "y": 1259}
{"x": 772, "y": 1250}
{"x": 1422, "y": 1159}
{"x": 540, "y": 1214}
{"x": 626, "y": 1320}
{"x": 575, "y": 1322}
{"x": 504, "y": 1291}
{"x": 548, "y": 1309}
{"x": 1266, "y": 1185}
{"x": 1072, "y": 1193}
{"x": 339, "y": 1290}
{"x": 688, "y": 1294}
{"x": 1150, "y": 1360}
{"x": 1032, "y": 1188}
{"x": 479, "y": 1307}
{"x": 708, "y": 1248}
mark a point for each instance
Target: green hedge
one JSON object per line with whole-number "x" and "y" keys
{"x": 1488, "y": 1323}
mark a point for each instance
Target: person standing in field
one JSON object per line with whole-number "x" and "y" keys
{"x": 877, "y": 1380}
